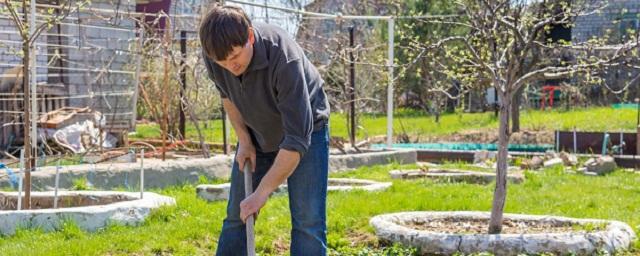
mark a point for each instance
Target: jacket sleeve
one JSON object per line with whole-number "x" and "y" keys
{"x": 294, "y": 105}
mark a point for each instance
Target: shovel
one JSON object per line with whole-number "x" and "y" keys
{"x": 248, "y": 189}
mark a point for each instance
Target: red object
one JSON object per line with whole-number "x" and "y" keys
{"x": 154, "y": 7}
{"x": 547, "y": 90}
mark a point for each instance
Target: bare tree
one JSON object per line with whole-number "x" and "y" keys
{"x": 29, "y": 33}
{"x": 506, "y": 47}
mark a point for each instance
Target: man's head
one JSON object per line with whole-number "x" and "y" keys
{"x": 227, "y": 38}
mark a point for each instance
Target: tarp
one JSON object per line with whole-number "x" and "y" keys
{"x": 470, "y": 146}
{"x": 625, "y": 106}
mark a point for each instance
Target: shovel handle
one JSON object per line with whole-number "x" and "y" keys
{"x": 248, "y": 190}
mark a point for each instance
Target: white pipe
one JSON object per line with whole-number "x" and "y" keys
{"x": 110, "y": 11}
{"x": 390, "y": 86}
{"x": 34, "y": 80}
{"x": 334, "y": 16}
{"x": 20, "y": 179}
{"x": 137, "y": 75}
{"x": 92, "y": 95}
{"x": 93, "y": 69}
{"x": 57, "y": 183}
{"x": 142, "y": 173}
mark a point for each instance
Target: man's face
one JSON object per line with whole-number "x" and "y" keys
{"x": 240, "y": 57}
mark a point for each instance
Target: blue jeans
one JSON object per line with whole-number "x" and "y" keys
{"x": 307, "y": 201}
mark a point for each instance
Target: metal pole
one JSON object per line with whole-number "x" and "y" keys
{"x": 266, "y": 11}
{"x": 605, "y": 142}
{"x": 225, "y": 131}
{"x": 390, "y": 86}
{"x": 638, "y": 127}
{"x": 183, "y": 79}
{"x": 638, "y": 140}
{"x": 621, "y": 142}
{"x": 496, "y": 104}
{"x": 575, "y": 141}
{"x": 557, "y": 141}
{"x": 248, "y": 190}
{"x": 57, "y": 182}
{"x": 638, "y": 106}
{"x": 20, "y": 179}
{"x": 142, "y": 173}
{"x": 352, "y": 89}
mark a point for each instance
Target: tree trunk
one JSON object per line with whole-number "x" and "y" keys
{"x": 500, "y": 192}
{"x": 515, "y": 110}
{"x": 29, "y": 156}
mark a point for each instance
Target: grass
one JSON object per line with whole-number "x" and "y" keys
{"x": 193, "y": 225}
{"x": 419, "y": 123}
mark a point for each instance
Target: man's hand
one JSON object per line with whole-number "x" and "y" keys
{"x": 251, "y": 205}
{"x": 246, "y": 152}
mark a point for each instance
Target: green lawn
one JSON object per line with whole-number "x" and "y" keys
{"x": 192, "y": 227}
{"x": 415, "y": 122}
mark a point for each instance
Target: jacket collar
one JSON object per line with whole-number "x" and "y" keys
{"x": 259, "y": 59}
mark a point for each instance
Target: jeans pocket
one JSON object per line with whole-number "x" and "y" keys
{"x": 320, "y": 136}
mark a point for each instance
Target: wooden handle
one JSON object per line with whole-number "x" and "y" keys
{"x": 248, "y": 189}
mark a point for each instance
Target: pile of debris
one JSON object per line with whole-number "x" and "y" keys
{"x": 76, "y": 129}
{"x": 594, "y": 166}
{"x": 550, "y": 159}
{"x": 488, "y": 159}
{"x": 599, "y": 165}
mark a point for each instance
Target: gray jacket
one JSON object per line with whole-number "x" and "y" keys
{"x": 280, "y": 95}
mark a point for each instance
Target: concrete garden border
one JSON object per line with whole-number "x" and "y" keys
{"x": 160, "y": 174}
{"x": 220, "y": 192}
{"x": 391, "y": 227}
{"x": 339, "y": 163}
{"x": 342, "y": 184}
{"x": 89, "y": 218}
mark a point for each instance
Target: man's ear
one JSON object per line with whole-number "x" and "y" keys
{"x": 252, "y": 38}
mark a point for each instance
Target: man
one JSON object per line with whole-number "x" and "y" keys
{"x": 279, "y": 111}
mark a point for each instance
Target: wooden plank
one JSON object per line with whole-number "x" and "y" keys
{"x": 50, "y": 105}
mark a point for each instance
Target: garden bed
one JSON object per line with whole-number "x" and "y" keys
{"x": 90, "y": 210}
{"x": 465, "y": 232}
{"x": 221, "y": 191}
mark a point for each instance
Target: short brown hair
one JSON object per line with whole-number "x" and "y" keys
{"x": 223, "y": 28}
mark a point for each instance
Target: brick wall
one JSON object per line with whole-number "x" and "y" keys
{"x": 619, "y": 14}
{"x": 100, "y": 62}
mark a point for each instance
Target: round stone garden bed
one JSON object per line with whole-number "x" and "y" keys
{"x": 454, "y": 176}
{"x": 465, "y": 232}
{"x": 90, "y": 210}
{"x": 221, "y": 191}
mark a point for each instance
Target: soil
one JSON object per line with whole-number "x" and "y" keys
{"x": 481, "y": 226}
{"x": 344, "y": 183}
{"x": 64, "y": 201}
{"x": 357, "y": 237}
